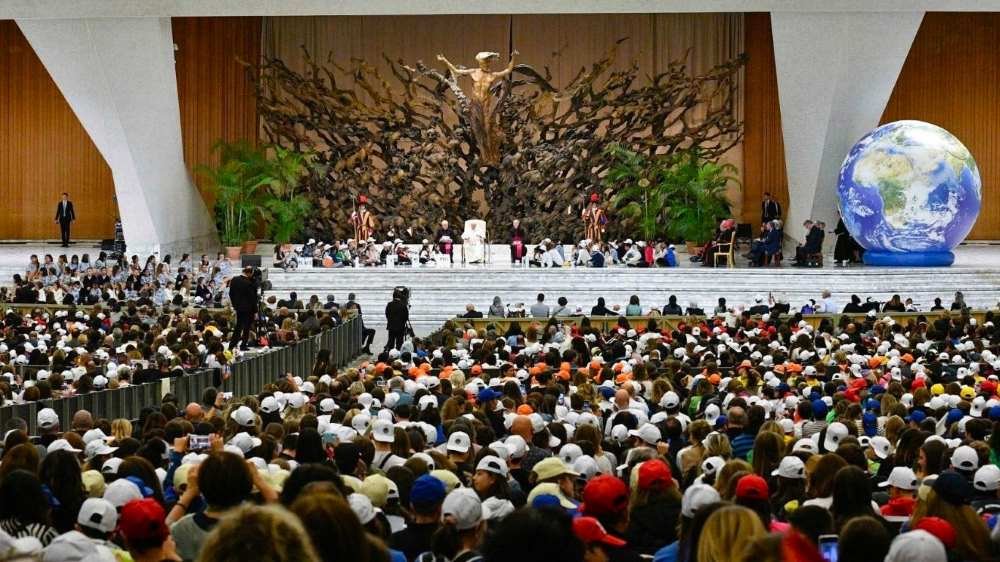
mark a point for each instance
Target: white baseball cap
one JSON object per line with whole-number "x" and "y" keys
{"x": 111, "y": 465}
{"x": 60, "y": 445}
{"x": 94, "y": 435}
{"x": 122, "y": 491}
{"x": 493, "y": 464}
{"x": 881, "y": 446}
{"x": 360, "y": 422}
{"x": 712, "y": 414}
{"x": 965, "y": 458}
{"x": 987, "y": 478}
{"x": 790, "y": 467}
{"x": 269, "y": 405}
{"x": 47, "y": 418}
{"x": 807, "y": 445}
{"x": 517, "y": 446}
{"x": 649, "y": 433}
{"x": 362, "y": 506}
{"x": 901, "y": 477}
{"x": 244, "y": 442}
{"x": 835, "y": 433}
{"x": 98, "y": 448}
{"x": 327, "y": 405}
{"x": 459, "y": 442}
{"x": 570, "y": 452}
{"x": 696, "y": 497}
{"x": 98, "y": 514}
{"x": 243, "y": 416}
{"x": 465, "y": 508}
{"x": 586, "y": 466}
{"x": 711, "y": 465}
{"x": 670, "y": 400}
{"x": 383, "y": 431}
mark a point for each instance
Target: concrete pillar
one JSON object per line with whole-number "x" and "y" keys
{"x": 118, "y": 76}
{"x": 836, "y": 72}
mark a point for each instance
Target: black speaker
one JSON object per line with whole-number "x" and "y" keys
{"x": 108, "y": 244}
{"x": 250, "y": 260}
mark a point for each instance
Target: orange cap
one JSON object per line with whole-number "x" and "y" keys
{"x": 425, "y": 367}
{"x": 525, "y": 410}
{"x": 477, "y": 370}
{"x": 714, "y": 378}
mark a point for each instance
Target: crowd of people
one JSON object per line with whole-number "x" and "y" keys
{"x": 760, "y": 306}
{"x": 76, "y": 279}
{"x": 126, "y": 337}
{"x": 727, "y": 438}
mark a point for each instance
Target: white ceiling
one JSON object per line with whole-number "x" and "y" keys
{"x": 32, "y": 9}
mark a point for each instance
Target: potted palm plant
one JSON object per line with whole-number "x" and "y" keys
{"x": 283, "y": 208}
{"x": 697, "y": 193}
{"x": 236, "y": 183}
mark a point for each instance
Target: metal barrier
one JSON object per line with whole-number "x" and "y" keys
{"x": 605, "y": 323}
{"x": 245, "y": 377}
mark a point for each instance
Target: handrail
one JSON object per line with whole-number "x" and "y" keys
{"x": 247, "y": 376}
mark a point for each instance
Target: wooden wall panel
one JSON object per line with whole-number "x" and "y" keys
{"x": 952, "y": 78}
{"x": 763, "y": 146}
{"x": 215, "y": 94}
{"x": 44, "y": 151}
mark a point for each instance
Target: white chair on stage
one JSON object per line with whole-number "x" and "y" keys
{"x": 475, "y": 242}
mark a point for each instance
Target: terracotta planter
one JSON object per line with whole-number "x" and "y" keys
{"x": 233, "y": 252}
{"x": 250, "y": 247}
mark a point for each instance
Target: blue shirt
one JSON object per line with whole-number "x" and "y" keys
{"x": 668, "y": 553}
{"x": 742, "y": 445}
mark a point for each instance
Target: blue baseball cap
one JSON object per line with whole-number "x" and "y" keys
{"x": 872, "y": 404}
{"x": 916, "y": 416}
{"x": 606, "y": 391}
{"x": 819, "y": 409}
{"x": 427, "y": 490}
{"x": 876, "y": 390}
{"x": 994, "y": 413}
{"x": 954, "y": 415}
{"x": 487, "y": 394}
{"x": 870, "y": 423}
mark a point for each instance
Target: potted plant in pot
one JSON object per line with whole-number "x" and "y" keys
{"x": 236, "y": 183}
{"x": 283, "y": 208}
{"x": 697, "y": 193}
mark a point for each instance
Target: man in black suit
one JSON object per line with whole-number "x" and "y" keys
{"x": 243, "y": 296}
{"x": 769, "y": 209}
{"x": 64, "y": 216}
{"x": 397, "y": 316}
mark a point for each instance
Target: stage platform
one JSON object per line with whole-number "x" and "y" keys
{"x": 441, "y": 292}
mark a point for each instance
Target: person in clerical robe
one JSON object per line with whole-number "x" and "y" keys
{"x": 517, "y": 242}
{"x": 363, "y": 220}
{"x": 474, "y": 243}
{"x": 445, "y": 239}
{"x": 594, "y": 220}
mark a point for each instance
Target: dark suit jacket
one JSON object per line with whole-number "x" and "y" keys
{"x": 69, "y": 215}
{"x": 243, "y": 293}
{"x": 396, "y": 315}
{"x": 770, "y": 210}
{"x": 473, "y": 314}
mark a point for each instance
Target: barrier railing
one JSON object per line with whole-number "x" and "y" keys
{"x": 605, "y": 323}
{"x": 245, "y": 377}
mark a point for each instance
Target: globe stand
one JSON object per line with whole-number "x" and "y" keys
{"x": 909, "y": 259}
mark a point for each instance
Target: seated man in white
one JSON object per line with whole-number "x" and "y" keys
{"x": 474, "y": 241}
{"x": 552, "y": 257}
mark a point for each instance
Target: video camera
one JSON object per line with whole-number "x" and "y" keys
{"x": 402, "y": 293}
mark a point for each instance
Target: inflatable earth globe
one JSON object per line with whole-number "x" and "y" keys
{"x": 909, "y": 193}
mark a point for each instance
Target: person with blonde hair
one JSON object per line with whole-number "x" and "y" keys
{"x": 727, "y": 474}
{"x": 262, "y": 533}
{"x": 728, "y": 533}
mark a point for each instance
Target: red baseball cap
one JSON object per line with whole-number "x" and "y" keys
{"x": 752, "y": 487}
{"x": 142, "y": 521}
{"x": 590, "y": 530}
{"x": 604, "y": 495}
{"x": 655, "y": 474}
{"x": 939, "y": 528}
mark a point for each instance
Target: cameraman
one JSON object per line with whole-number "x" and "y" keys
{"x": 243, "y": 295}
{"x": 397, "y": 315}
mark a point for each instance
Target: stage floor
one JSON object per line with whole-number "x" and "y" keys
{"x": 443, "y": 291}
